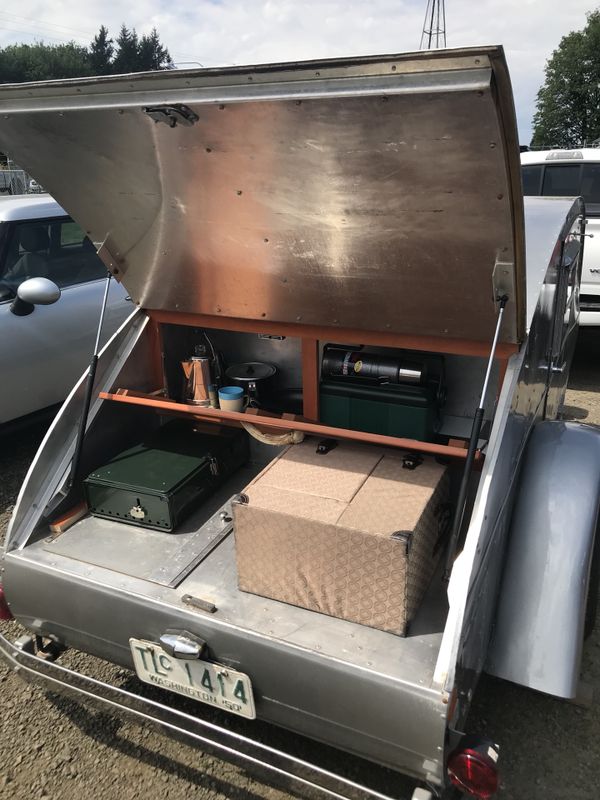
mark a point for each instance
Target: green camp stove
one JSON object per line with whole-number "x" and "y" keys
{"x": 158, "y": 483}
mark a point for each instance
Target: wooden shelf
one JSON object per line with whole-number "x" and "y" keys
{"x": 164, "y": 405}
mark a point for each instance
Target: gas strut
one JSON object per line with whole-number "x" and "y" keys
{"x": 89, "y": 386}
{"x": 474, "y": 438}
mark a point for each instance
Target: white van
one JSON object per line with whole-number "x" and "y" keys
{"x": 572, "y": 173}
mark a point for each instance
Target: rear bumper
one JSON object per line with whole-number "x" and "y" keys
{"x": 277, "y": 766}
{"x": 386, "y": 718}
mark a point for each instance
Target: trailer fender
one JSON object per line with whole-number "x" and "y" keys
{"x": 541, "y": 612}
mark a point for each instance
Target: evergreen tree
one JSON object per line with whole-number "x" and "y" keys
{"x": 151, "y": 54}
{"x": 568, "y": 103}
{"x": 101, "y": 52}
{"x": 126, "y": 56}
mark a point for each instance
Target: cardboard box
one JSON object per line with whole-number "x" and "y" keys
{"x": 352, "y": 533}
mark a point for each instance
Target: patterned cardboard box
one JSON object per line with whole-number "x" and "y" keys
{"x": 352, "y": 533}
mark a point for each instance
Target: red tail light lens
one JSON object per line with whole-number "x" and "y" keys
{"x": 474, "y": 772}
{"x": 4, "y": 609}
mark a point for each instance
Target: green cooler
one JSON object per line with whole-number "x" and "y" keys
{"x": 394, "y": 410}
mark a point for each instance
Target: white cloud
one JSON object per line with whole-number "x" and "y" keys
{"x": 233, "y": 31}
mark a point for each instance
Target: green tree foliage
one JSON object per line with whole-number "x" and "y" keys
{"x": 126, "y": 57}
{"x": 40, "y": 62}
{"x": 151, "y": 54}
{"x": 568, "y": 103}
{"x": 101, "y": 52}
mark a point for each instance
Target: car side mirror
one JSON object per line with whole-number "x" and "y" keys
{"x": 34, "y": 292}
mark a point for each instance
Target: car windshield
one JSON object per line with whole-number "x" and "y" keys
{"x": 49, "y": 248}
{"x": 564, "y": 180}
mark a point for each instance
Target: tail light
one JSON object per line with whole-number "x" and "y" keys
{"x": 5, "y": 612}
{"x": 473, "y": 768}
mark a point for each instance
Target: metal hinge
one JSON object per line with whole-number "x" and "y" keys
{"x": 503, "y": 278}
{"x": 553, "y": 367}
{"x": 581, "y": 232}
{"x": 172, "y": 115}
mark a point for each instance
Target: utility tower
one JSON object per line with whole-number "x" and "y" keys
{"x": 434, "y": 27}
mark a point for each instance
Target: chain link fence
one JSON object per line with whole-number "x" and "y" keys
{"x": 17, "y": 181}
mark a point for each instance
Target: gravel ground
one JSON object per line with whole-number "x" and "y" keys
{"x": 50, "y": 747}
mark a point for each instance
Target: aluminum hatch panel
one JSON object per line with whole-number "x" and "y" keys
{"x": 369, "y": 193}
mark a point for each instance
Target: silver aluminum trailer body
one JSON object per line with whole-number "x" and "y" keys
{"x": 400, "y": 702}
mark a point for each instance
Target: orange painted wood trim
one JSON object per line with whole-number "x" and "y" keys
{"x": 310, "y": 379}
{"x": 216, "y": 415}
{"x": 157, "y": 353}
{"x": 432, "y": 344}
{"x": 462, "y": 443}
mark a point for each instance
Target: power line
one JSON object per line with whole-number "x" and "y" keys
{"x": 40, "y": 34}
{"x": 41, "y": 23}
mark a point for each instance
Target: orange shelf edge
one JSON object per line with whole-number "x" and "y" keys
{"x": 216, "y": 415}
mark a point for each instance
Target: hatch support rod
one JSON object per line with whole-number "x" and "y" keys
{"x": 473, "y": 440}
{"x": 89, "y": 386}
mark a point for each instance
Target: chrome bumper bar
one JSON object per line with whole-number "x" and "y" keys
{"x": 305, "y": 779}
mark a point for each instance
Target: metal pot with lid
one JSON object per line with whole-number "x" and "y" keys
{"x": 255, "y": 377}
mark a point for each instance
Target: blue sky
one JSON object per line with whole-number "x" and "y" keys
{"x": 232, "y": 31}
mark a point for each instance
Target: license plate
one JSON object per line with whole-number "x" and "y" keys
{"x": 213, "y": 684}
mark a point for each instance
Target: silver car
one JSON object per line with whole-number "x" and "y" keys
{"x": 43, "y": 353}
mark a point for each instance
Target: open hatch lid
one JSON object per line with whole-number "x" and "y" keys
{"x": 376, "y": 193}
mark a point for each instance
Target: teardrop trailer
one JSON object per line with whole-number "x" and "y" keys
{"x": 359, "y": 224}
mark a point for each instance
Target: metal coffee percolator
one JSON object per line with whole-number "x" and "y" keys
{"x": 196, "y": 370}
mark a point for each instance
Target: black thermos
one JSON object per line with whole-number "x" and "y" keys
{"x": 384, "y": 369}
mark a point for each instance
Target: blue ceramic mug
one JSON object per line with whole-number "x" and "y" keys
{"x": 231, "y": 398}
